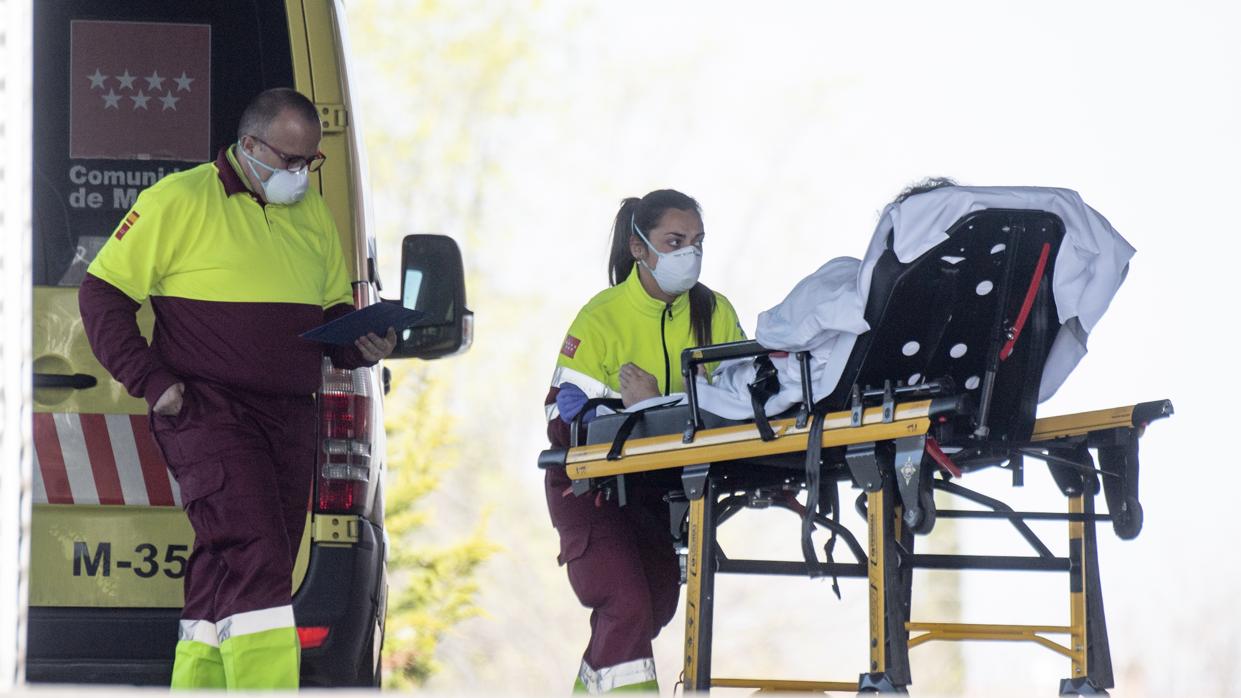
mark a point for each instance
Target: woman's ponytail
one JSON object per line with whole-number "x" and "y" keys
{"x": 620, "y": 260}
{"x": 701, "y": 308}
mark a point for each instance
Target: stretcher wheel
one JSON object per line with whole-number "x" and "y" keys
{"x": 926, "y": 500}
{"x": 1128, "y": 521}
{"x": 924, "y": 521}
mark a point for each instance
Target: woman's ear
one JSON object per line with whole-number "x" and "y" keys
{"x": 637, "y": 248}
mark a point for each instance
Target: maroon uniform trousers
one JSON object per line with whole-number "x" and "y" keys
{"x": 621, "y": 565}
{"x": 244, "y": 462}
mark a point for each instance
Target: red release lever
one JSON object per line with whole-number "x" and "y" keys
{"x": 937, "y": 454}
{"x": 1028, "y": 302}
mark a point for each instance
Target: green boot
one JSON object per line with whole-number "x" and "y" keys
{"x": 651, "y": 686}
{"x": 197, "y": 663}
{"x": 261, "y": 650}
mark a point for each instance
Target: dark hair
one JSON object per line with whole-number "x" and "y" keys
{"x": 268, "y": 105}
{"x": 646, "y": 213}
{"x": 923, "y": 186}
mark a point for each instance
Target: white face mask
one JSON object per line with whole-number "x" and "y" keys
{"x": 677, "y": 272}
{"x": 282, "y": 187}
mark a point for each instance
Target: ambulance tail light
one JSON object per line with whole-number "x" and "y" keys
{"x": 344, "y": 465}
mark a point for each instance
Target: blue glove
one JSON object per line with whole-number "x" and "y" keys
{"x": 570, "y": 400}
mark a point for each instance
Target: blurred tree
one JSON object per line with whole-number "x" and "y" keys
{"x": 437, "y": 80}
{"x": 432, "y": 586}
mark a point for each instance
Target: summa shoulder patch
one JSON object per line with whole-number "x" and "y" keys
{"x": 127, "y": 224}
{"x": 569, "y": 348}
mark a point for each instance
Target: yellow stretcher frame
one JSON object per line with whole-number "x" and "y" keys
{"x": 737, "y": 442}
{"x": 884, "y": 527}
{"x": 743, "y": 441}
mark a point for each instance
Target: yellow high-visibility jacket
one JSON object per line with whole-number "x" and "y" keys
{"x": 624, "y": 324}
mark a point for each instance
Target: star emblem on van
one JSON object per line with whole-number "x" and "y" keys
{"x": 127, "y": 80}
{"x": 183, "y": 82}
{"x": 138, "y": 90}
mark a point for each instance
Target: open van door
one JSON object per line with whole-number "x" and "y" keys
{"x": 124, "y": 94}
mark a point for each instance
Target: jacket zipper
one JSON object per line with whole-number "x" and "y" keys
{"x": 664, "y": 339}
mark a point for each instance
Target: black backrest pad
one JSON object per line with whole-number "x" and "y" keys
{"x": 941, "y": 314}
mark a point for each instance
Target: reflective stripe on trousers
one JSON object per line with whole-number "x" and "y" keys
{"x": 251, "y": 650}
{"x": 638, "y": 671}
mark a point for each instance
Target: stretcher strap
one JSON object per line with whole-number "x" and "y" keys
{"x": 1028, "y": 303}
{"x": 622, "y": 434}
{"x": 814, "y": 489}
{"x": 830, "y": 548}
{"x": 766, "y": 383}
{"x": 626, "y": 428}
{"x": 814, "y": 453}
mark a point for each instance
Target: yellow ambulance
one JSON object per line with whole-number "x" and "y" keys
{"x": 124, "y": 94}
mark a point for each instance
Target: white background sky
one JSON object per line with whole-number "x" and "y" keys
{"x": 793, "y": 124}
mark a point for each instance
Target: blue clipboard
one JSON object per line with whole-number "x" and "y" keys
{"x": 375, "y": 318}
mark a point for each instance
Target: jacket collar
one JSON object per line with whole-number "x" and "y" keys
{"x": 643, "y": 301}
{"x": 230, "y": 174}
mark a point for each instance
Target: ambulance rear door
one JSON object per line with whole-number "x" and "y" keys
{"x": 124, "y": 94}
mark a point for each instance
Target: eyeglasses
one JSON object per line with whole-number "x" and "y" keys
{"x": 295, "y": 162}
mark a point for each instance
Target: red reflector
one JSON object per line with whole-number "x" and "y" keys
{"x": 345, "y": 416}
{"x": 313, "y": 636}
{"x": 338, "y": 495}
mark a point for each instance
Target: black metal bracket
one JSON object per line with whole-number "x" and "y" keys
{"x": 889, "y": 403}
{"x": 863, "y": 463}
{"x": 678, "y": 508}
{"x": 1081, "y": 686}
{"x": 878, "y": 682}
{"x": 859, "y": 398}
{"x": 907, "y": 465}
{"x": 1120, "y": 461}
{"x": 581, "y": 487}
{"x": 694, "y": 480}
{"x": 855, "y": 406}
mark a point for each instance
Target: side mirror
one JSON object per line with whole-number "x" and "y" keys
{"x": 433, "y": 281}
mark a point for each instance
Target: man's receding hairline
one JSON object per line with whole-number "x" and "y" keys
{"x": 270, "y": 105}
{"x": 296, "y": 114}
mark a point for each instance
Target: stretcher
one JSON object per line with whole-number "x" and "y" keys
{"x": 899, "y": 425}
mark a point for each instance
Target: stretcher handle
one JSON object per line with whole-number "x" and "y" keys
{"x": 694, "y": 357}
{"x": 575, "y": 427}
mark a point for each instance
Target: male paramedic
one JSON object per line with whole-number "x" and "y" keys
{"x": 238, "y": 257}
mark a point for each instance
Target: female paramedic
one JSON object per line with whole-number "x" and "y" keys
{"x": 626, "y": 343}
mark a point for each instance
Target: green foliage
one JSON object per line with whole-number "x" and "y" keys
{"x": 433, "y": 586}
{"x": 436, "y": 82}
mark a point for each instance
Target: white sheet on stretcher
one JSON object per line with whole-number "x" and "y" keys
{"x": 824, "y": 313}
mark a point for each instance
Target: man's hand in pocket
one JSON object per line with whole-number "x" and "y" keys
{"x": 169, "y": 404}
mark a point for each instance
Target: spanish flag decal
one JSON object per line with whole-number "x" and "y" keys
{"x": 125, "y": 226}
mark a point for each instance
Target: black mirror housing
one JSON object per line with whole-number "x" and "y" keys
{"x": 433, "y": 281}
